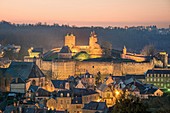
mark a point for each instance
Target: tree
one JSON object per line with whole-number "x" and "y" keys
{"x": 98, "y": 78}
{"x": 130, "y": 104}
{"x": 107, "y": 49}
{"x": 149, "y": 50}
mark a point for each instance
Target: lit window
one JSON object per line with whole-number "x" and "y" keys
{"x": 154, "y": 75}
{"x": 162, "y": 84}
{"x": 61, "y": 94}
{"x": 151, "y": 79}
{"x": 164, "y": 75}
{"x": 147, "y": 75}
{"x": 154, "y": 79}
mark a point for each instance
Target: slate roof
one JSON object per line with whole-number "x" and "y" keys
{"x": 135, "y": 76}
{"x": 161, "y": 71}
{"x": 87, "y": 75}
{"x": 43, "y": 93}
{"x": 33, "y": 88}
{"x": 2, "y": 70}
{"x": 65, "y": 49}
{"x": 64, "y": 92}
{"x": 18, "y": 81}
{"x": 59, "y": 83}
{"x": 82, "y": 92}
{"x": 23, "y": 70}
{"x": 102, "y": 87}
{"x": 38, "y": 50}
{"x": 76, "y": 100}
{"x": 95, "y": 106}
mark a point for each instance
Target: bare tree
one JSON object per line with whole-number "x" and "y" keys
{"x": 149, "y": 50}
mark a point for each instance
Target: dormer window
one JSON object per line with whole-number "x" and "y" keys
{"x": 68, "y": 94}
{"x": 61, "y": 94}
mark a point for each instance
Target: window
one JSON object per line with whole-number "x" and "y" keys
{"x": 61, "y": 101}
{"x": 162, "y": 84}
{"x": 68, "y": 101}
{"x": 78, "y": 106}
{"x": 151, "y": 79}
{"x": 164, "y": 75}
{"x": 68, "y": 94}
{"x": 154, "y": 75}
{"x": 61, "y": 94}
{"x": 158, "y": 79}
{"x": 154, "y": 79}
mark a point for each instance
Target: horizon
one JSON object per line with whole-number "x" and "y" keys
{"x": 88, "y": 13}
{"x": 121, "y": 25}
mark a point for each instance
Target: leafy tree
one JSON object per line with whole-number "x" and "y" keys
{"x": 129, "y": 104}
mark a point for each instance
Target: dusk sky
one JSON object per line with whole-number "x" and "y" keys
{"x": 87, "y": 12}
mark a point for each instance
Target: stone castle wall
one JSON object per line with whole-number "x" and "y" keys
{"x": 136, "y": 68}
{"x": 94, "y": 67}
{"x": 62, "y": 70}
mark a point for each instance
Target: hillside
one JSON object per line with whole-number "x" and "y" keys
{"x": 50, "y": 36}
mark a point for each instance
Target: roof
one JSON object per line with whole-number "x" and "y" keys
{"x": 65, "y": 49}
{"x": 59, "y": 83}
{"x": 156, "y": 71}
{"x": 43, "y": 93}
{"x": 135, "y": 76}
{"x": 23, "y": 70}
{"x": 17, "y": 81}
{"x": 83, "y": 92}
{"x": 65, "y": 93}
{"x": 102, "y": 87}
{"x": 87, "y": 75}
{"x": 38, "y": 50}
{"x": 76, "y": 100}
{"x": 33, "y": 88}
{"x": 95, "y": 106}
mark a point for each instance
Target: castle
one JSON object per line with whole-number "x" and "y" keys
{"x": 60, "y": 63}
{"x": 93, "y": 49}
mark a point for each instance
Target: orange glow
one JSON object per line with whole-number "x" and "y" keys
{"x": 87, "y": 12}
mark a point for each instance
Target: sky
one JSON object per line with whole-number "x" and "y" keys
{"x": 87, "y": 12}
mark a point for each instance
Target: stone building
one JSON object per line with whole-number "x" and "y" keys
{"x": 93, "y": 49}
{"x": 158, "y": 77}
{"x": 19, "y": 72}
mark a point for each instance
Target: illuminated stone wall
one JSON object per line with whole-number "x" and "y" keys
{"x": 94, "y": 67}
{"x": 64, "y": 69}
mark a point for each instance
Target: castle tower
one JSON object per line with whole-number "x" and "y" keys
{"x": 93, "y": 39}
{"x": 124, "y": 50}
{"x": 70, "y": 40}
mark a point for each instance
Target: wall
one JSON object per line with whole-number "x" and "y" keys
{"x": 94, "y": 67}
{"x": 136, "y": 68}
{"x": 64, "y": 69}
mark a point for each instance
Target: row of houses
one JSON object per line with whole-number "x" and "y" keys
{"x": 75, "y": 94}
